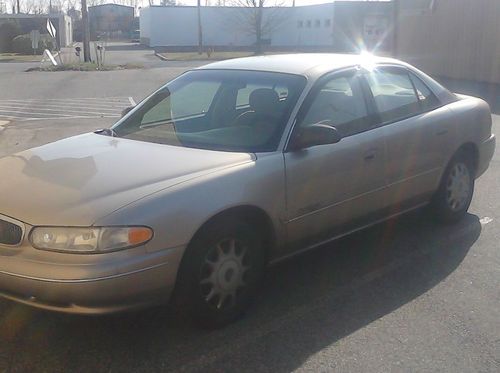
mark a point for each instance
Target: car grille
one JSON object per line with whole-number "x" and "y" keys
{"x": 10, "y": 233}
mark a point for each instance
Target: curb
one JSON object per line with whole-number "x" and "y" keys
{"x": 163, "y": 58}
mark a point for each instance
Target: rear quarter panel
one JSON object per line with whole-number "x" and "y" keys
{"x": 470, "y": 122}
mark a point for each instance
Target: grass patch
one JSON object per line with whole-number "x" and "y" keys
{"x": 16, "y": 57}
{"x": 194, "y": 56}
{"x": 85, "y": 66}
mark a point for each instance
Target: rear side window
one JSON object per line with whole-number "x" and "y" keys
{"x": 428, "y": 101}
{"x": 194, "y": 99}
{"x": 393, "y": 93}
{"x": 191, "y": 100}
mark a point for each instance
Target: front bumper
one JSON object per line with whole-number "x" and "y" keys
{"x": 486, "y": 152}
{"x": 132, "y": 281}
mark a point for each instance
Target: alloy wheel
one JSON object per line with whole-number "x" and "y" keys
{"x": 224, "y": 272}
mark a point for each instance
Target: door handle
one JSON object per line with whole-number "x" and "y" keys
{"x": 442, "y": 132}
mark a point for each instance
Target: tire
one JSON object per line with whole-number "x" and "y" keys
{"x": 453, "y": 198}
{"x": 220, "y": 272}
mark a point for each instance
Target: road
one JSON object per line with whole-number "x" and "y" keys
{"x": 408, "y": 295}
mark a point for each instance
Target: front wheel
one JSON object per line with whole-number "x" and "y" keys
{"x": 221, "y": 271}
{"x": 454, "y": 195}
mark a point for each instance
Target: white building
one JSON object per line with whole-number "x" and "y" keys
{"x": 339, "y": 25}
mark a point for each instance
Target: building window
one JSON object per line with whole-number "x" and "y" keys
{"x": 328, "y": 22}
{"x": 308, "y": 24}
{"x": 300, "y": 24}
{"x": 317, "y": 23}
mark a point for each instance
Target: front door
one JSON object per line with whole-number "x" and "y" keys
{"x": 331, "y": 185}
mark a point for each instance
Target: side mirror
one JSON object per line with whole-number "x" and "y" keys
{"x": 127, "y": 110}
{"x": 315, "y": 134}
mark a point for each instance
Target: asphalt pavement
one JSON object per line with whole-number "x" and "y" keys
{"x": 405, "y": 296}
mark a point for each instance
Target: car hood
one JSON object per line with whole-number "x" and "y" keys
{"x": 83, "y": 178}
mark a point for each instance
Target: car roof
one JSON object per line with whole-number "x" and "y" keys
{"x": 308, "y": 64}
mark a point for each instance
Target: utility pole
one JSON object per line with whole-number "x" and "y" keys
{"x": 258, "y": 30}
{"x": 395, "y": 28}
{"x": 200, "y": 31}
{"x": 86, "y": 32}
{"x": 18, "y": 7}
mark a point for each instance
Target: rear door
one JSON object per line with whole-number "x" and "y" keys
{"x": 414, "y": 130}
{"x": 331, "y": 185}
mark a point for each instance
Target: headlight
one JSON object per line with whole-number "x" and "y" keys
{"x": 89, "y": 240}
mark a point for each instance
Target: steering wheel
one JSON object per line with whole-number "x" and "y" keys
{"x": 257, "y": 117}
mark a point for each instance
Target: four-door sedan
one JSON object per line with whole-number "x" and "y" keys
{"x": 226, "y": 169}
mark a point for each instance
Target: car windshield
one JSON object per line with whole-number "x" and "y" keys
{"x": 228, "y": 110}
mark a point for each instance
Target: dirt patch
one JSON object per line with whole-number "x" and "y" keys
{"x": 85, "y": 67}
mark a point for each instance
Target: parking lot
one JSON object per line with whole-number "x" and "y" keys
{"x": 407, "y": 295}
{"x": 63, "y": 108}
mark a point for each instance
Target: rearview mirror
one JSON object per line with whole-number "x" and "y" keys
{"x": 127, "y": 110}
{"x": 315, "y": 134}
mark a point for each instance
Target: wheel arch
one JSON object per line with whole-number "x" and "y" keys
{"x": 471, "y": 151}
{"x": 252, "y": 215}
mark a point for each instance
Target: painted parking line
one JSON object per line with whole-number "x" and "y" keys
{"x": 57, "y": 104}
{"x": 79, "y": 99}
{"x": 485, "y": 220}
{"x": 63, "y": 108}
{"x": 81, "y": 110}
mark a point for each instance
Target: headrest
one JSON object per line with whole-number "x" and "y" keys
{"x": 264, "y": 100}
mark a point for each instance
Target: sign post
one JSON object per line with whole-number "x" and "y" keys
{"x": 35, "y": 39}
{"x": 53, "y": 32}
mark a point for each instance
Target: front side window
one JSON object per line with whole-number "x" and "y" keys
{"x": 340, "y": 103}
{"x": 393, "y": 94}
{"x": 229, "y": 110}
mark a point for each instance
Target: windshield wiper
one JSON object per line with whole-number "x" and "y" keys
{"x": 106, "y": 132}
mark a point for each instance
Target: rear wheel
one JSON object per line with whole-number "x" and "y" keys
{"x": 221, "y": 271}
{"x": 454, "y": 195}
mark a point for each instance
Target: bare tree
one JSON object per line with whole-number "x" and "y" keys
{"x": 35, "y": 7}
{"x": 253, "y": 21}
{"x": 96, "y": 2}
